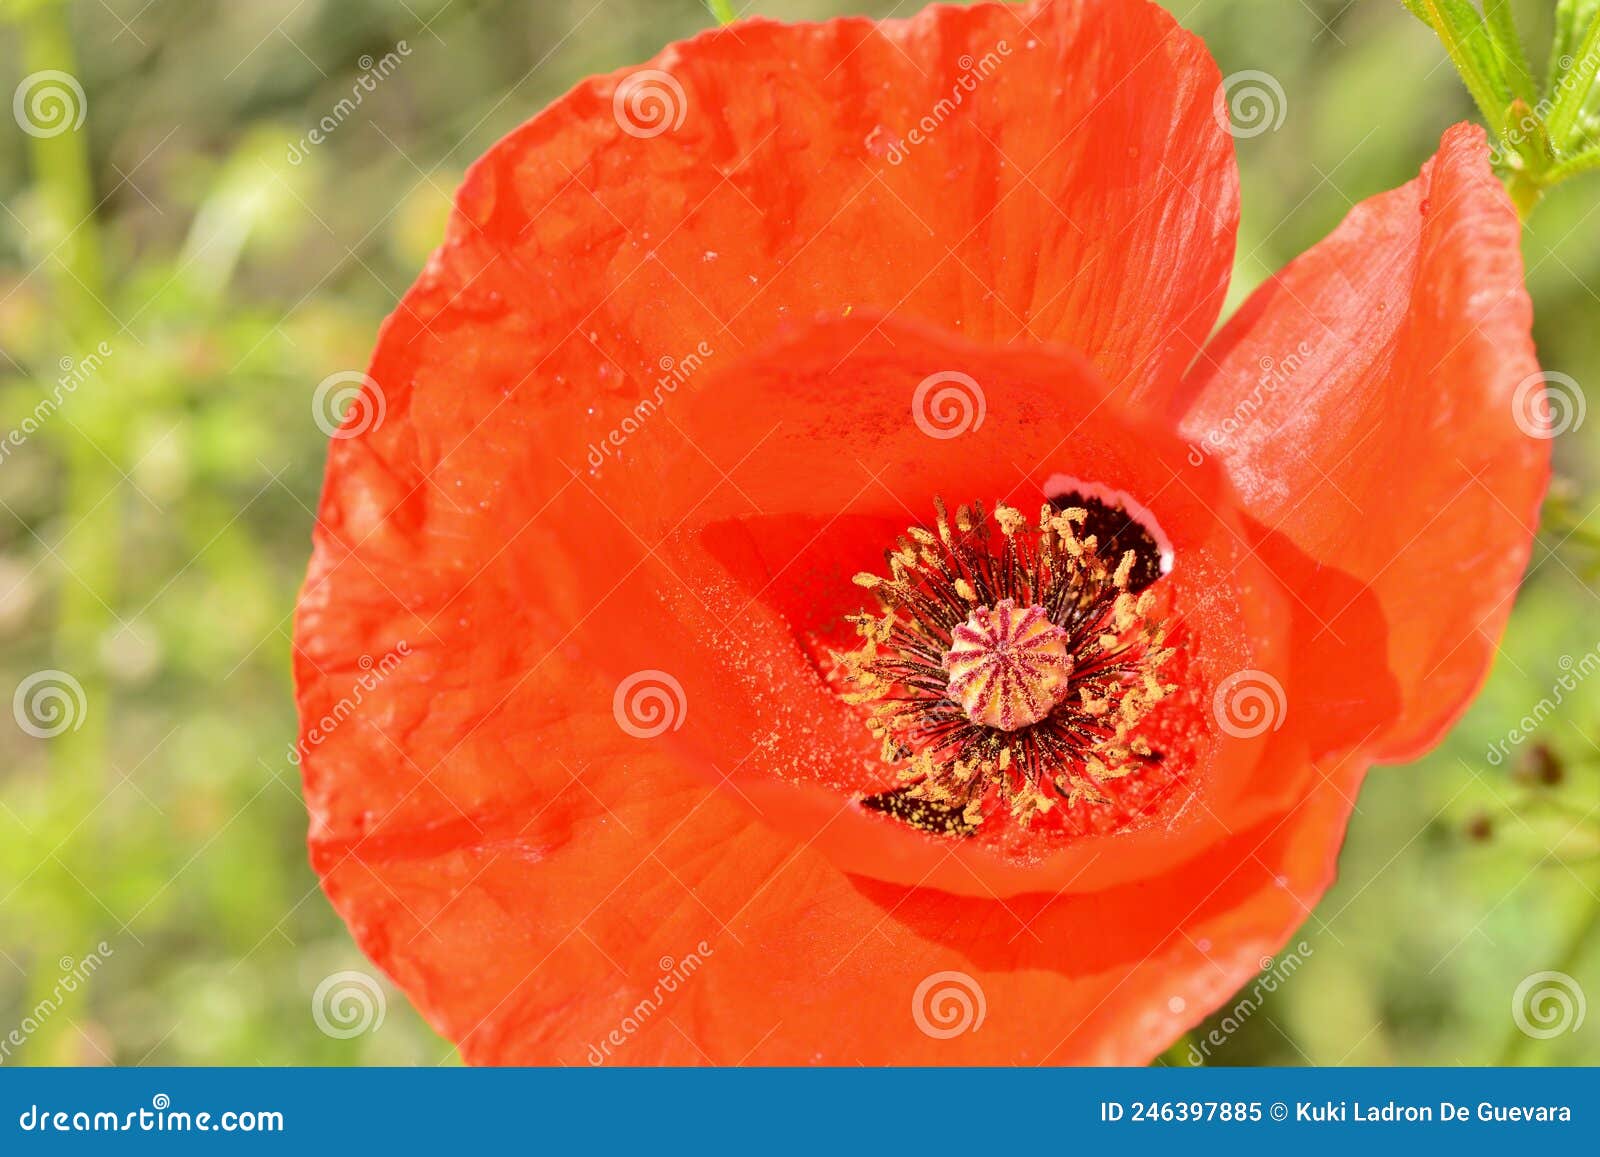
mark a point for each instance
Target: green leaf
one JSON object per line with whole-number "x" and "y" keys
{"x": 1572, "y": 17}
{"x": 1416, "y": 9}
{"x": 1573, "y": 84}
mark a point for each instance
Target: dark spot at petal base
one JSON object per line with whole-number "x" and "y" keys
{"x": 1118, "y": 532}
{"x": 937, "y": 818}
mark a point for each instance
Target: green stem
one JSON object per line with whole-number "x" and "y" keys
{"x": 1525, "y": 193}
{"x": 1582, "y": 163}
{"x": 1483, "y": 88}
{"x": 1503, "y": 28}
{"x": 722, "y": 10}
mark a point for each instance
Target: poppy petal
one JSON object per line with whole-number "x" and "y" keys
{"x": 1365, "y": 402}
{"x": 609, "y": 924}
{"x": 1045, "y": 172}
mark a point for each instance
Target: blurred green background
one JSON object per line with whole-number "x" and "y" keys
{"x": 154, "y": 528}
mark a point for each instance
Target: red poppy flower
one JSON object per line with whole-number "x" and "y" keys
{"x": 626, "y": 740}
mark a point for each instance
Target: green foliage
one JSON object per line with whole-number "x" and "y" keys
{"x": 1542, "y": 138}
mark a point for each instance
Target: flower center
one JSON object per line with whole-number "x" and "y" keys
{"x": 1008, "y": 668}
{"x": 1011, "y": 665}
